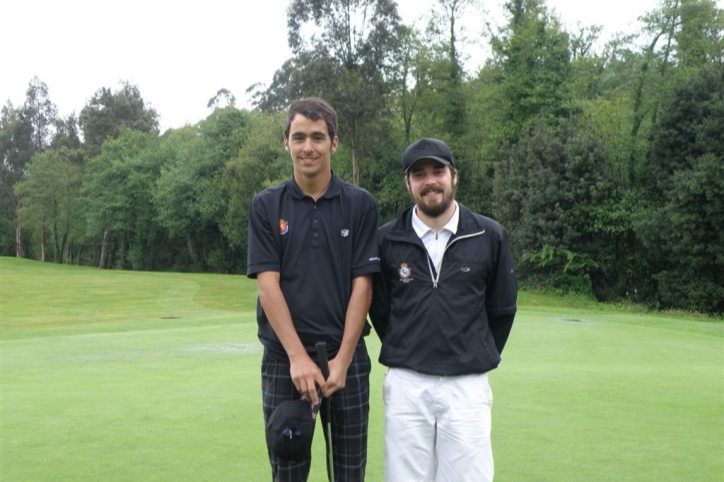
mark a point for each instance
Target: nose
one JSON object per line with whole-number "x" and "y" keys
{"x": 429, "y": 179}
{"x": 308, "y": 145}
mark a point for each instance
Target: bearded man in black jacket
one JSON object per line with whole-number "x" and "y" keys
{"x": 443, "y": 307}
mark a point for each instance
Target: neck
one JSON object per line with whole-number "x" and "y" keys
{"x": 315, "y": 186}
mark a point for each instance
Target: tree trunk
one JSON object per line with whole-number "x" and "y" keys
{"x": 43, "y": 244}
{"x": 104, "y": 249}
{"x": 356, "y": 171}
{"x": 18, "y": 240}
{"x": 356, "y": 168}
{"x": 60, "y": 249}
{"x": 193, "y": 258}
{"x": 408, "y": 130}
{"x": 122, "y": 262}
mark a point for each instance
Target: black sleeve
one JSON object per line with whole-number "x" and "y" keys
{"x": 500, "y": 327}
{"x": 502, "y": 294}
{"x": 380, "y": 307}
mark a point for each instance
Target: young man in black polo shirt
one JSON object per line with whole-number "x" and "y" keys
{"x": 312, "y": 248}
{"x": 443, "y": 306}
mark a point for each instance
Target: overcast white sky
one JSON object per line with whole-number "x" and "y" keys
{"x": 181, "y": 53}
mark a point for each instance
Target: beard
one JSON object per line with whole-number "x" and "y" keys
{"x": 437, "y": 208}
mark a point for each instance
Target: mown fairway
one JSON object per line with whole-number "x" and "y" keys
{"x": 128, "y": 376}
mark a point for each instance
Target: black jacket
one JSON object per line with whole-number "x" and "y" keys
{"x": 458, "y": 326}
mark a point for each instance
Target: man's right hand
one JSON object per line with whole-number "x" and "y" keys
{"x": 307, "y": 377}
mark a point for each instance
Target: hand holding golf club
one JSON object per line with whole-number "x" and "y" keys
{"x": 336, "y": 378}
{"x": 307, "y": 378}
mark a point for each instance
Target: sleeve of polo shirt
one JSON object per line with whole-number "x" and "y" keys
{"x": 366, "y": 256}
{"x": 502, "y": 294}
{"x": 262, "y": 252}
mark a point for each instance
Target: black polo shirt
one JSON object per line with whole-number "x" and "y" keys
{"x": 318, "y": 248}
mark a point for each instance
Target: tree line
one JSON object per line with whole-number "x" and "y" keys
{"x": 605, "y": 163}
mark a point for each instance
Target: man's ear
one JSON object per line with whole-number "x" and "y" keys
{"x": 335, "y": 142}
{"x": 286, "y": 144}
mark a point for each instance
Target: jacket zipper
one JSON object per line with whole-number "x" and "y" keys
{"x": 436, "y": 278}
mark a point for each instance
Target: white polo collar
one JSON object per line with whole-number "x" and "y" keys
{"x": 421, "y": 228}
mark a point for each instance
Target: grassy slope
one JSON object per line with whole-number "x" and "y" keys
{"x": 127, "y": 376}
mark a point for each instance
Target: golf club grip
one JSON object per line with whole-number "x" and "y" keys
{"x": 323, "y": 360}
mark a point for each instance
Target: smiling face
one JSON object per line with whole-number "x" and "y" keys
{"x": 311, "y": 148}
{"x": 432, "y": 186}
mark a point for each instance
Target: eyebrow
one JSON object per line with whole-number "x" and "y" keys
{"x": 304, "y": 134}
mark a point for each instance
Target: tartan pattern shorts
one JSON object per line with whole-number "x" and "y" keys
{"x": 350, "y": 417}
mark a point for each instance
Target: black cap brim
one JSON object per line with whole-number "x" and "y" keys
{"x": 434, "y": 158}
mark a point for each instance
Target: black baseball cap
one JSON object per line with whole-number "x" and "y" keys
{"x": 289, "y": 430}
{"x": 427, "y": 148}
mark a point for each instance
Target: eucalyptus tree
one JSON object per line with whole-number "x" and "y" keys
{"x": 347, "y": 52}
{"x": 446, "y": 25}
{"x": 25, "y": 131}
{"x": 49, "y": 196}
{"x": 40, "y": 113}
{"x": 679, "y": 35}
{"x": 117, "y": 191}
{"x": 410, "y": 80}
{"x": 700, "y": 38}
{"x": 222, "y": 95}
{"x": 533, "y": 57}
{"x": 67, "y": 134}
{"x": 105, "y": 116}
{"x": 107, "y": 112}
{"x": 16, "y": 151}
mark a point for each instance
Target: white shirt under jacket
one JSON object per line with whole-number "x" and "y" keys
{"x": 435, "y": 243}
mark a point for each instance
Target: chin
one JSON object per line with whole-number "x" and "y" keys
{"x": 433, "y": 211}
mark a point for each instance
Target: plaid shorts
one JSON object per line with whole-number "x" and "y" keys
{"x": 350, "y": 409}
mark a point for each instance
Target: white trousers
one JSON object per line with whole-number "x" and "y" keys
{"x": 437, "y": 429}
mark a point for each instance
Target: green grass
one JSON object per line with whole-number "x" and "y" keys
{"x": 130, "y": 376}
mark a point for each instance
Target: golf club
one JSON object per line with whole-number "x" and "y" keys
{"x": 321, "y": 348}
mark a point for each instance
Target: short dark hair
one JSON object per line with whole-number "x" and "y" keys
{"x": 313, "y": 108}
